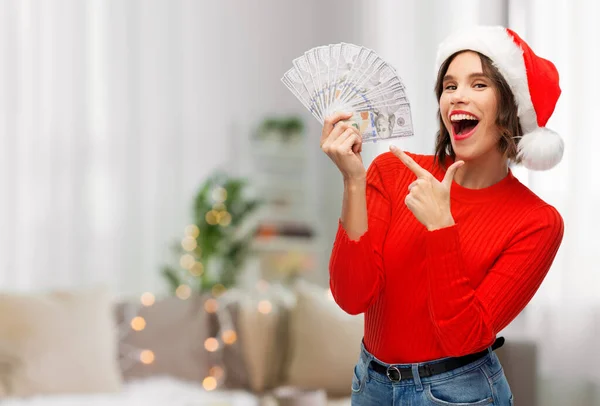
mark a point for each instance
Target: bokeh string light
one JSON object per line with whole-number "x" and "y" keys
{"x": 211, "y": 305}
{"x": 138, "y": 323}
{"x": 265, "y": 307}
{"x": 183, "y": 292}
{"x": 189, "y": 243}
{"x": 147, "y": 299}
{"x": 187, "y": 261}
{"x": 197, "y": 269}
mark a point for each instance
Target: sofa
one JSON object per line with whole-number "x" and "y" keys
{"x": 263, "y": 347}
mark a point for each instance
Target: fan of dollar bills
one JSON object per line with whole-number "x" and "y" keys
{"x": 351, "y": 78}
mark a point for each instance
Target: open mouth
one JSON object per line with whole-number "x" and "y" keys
{"x": 463, "y": 125}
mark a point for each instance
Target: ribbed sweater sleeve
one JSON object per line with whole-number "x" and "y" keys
{"x": 467, "y": 317}
{"x": 356, "y": 266}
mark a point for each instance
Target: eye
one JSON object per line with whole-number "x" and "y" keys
{"x": 450, "y": 87}
{"x": 480, "y": 85}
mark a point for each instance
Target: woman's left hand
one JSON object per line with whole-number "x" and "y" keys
{"x": 428, "y": 198}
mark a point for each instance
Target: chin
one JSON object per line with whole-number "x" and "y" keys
{"x": 466, "y": 154}
{"x": 462, "y": 152}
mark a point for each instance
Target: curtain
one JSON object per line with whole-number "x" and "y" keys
{"x": 564, "y": 316}
{"x": 113, "y": 112}
{"x": 99, "y": 146}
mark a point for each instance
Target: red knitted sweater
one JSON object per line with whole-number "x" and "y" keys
{"x": 448, "y": 292}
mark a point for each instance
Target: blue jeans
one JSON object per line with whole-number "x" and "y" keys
{"x": 479, "y": 383}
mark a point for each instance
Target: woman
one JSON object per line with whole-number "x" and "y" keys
{"x": 442, "y": 252}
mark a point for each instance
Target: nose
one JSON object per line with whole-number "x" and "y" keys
{"x": 459, "y": 96}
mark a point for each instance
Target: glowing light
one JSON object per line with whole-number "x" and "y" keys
{"x": 212, "y": 217}
{"x": 147, "y": 299}
{"x": 265, "y": 307}
{"x": 189, "y": 243}
{"x": 211, "y": 305}
{"x": 218, "y": 289}
{"x": 138, "y": 323}
{"x": 197, "y": 269}
{"x": 147, "y": 357}
{"x": 192, "y": 231}
{"x": 219, "y": 194}
{"x": 211, "y": 344}
{"x": 224, "y": 219}
{"x": 216, "y": 372}
{"x": 187, "y": 261}
{"x": 183, "y": 292}
{"x": 209, "y": 383}
{"x": 229, "y": 337}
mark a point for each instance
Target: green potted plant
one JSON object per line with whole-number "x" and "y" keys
{"x": 281, "y": 128}
{"x": 218, "y": 243}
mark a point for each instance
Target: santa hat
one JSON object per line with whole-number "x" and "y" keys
{"x": 533, "y": 81}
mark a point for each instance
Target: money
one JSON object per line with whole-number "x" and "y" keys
{"x": 383, "y": 124}
{"x": 292, "y": 80}
{"x": 350, "y": 78}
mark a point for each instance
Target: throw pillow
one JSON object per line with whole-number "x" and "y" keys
{"x": 174, "y": 330}
{"x": 324, "y": 342}
{"x": 262, "y": 322}
{"x": 58, "y": 342}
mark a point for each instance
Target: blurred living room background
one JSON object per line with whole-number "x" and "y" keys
{"x": 163, "y": 198}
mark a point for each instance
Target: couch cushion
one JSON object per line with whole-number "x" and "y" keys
{"x": 175, "y": 331}
{"x": 324, "y": 342}
{"x": 58, "y": 342}
{"x": 262, "y": 321}
{"x": 519, "y": 361}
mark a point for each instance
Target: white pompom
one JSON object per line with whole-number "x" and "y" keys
{"x": 541, "y": 149}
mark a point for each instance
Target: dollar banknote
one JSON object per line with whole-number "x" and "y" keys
{"x": 350, "y": 78}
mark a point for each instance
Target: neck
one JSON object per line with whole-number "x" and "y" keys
{"x": 482, "y": 172}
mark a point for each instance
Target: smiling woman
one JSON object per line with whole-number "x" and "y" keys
{"x": 441, "y": 252}
{"x": 469, "y": 77}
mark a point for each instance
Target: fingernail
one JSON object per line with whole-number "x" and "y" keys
{"x": 393, "y": 148}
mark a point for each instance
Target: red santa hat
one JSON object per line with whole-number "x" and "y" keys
{"x": 532, "y": 79}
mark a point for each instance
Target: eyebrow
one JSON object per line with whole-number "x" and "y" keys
{"x": 471, "y": 76}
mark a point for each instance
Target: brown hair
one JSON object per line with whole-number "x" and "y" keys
{"x": 507, "y": 119}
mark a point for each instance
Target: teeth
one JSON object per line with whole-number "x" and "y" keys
{"x": 459, "y": 117}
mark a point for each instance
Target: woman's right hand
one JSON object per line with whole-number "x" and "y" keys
{"x": 343, "y": 144}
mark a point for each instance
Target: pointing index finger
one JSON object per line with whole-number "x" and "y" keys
{"x": 409, "y": 162}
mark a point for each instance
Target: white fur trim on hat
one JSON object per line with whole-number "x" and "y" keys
{"x": 498, "y": 45}
{"x": 540, "y": 149}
